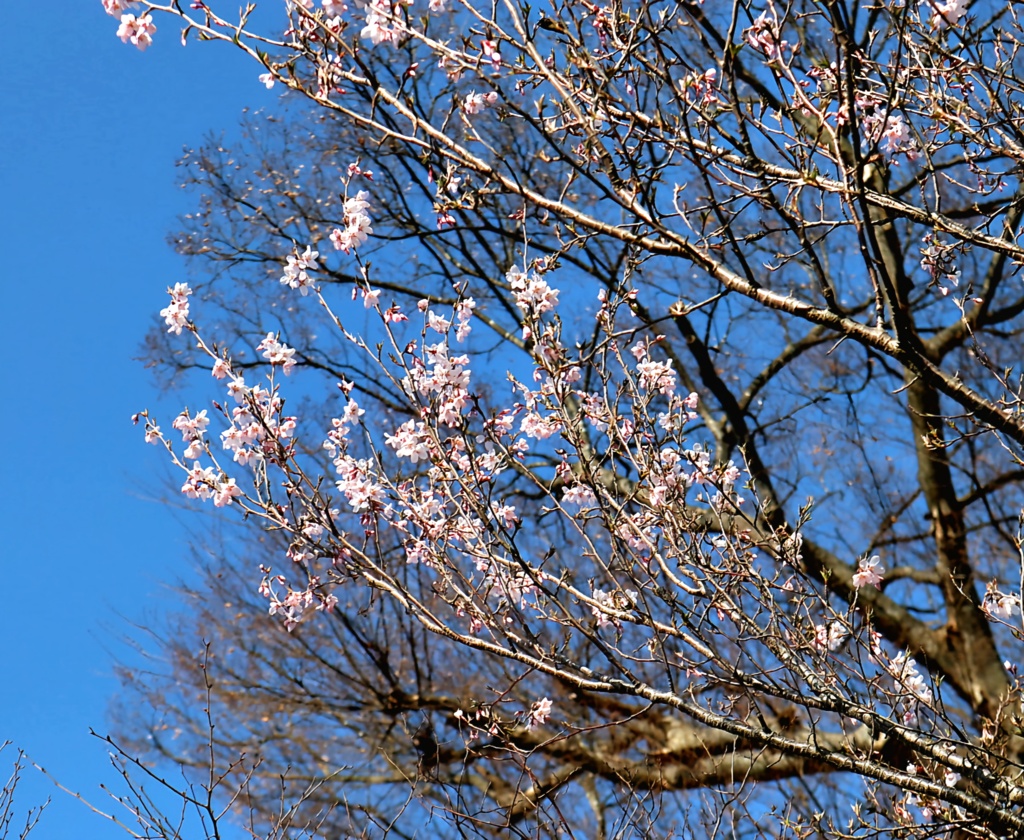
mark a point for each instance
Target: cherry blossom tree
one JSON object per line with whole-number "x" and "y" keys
{"x": 623, "y": 405}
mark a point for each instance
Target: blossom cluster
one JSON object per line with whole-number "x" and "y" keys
{"x": 943, "y": 13}
{"x": 205, "y": 483}
{"x": 175, "y": 314}
{"x": 938, "y": 258}
{"x": 192, "y": 430}
{"x": 412, "y": 440}
{"x": 883, "y": 125}
{"x": 765, "y": 37}
{"x": 201, "y": 482}
{"x": 296, "y": 270}
{"x": 608, "y": 602}
{"x": 869, "y": 572}
{"x": 475, "y": 103}
{"x": 381, "y": 16}
{"x": 115, "y": 8}
{"x": 701, "y": 87}
{"x": 137, "y": 31}
{"x": 654, "y": 376}
{"x": 670, "y": 472}
{"x": 911, "y": 682}
{"x": 295, "y": 605}
{"x": 443, "y": 378}
{"x": 356, "y": 477}
{"x": 998, "y": 604}
{"x": 358, "y": 225}
{"x": 514, "y": 587}
{"x": 830, "y": 636}
{"x": 532, "y": 293}
{"x": 277, "y": 353}
{"x": 255, "y": 420}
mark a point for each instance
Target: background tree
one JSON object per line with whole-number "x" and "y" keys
{"x": 15, "y": 823}
{"x": 602, "y": 560}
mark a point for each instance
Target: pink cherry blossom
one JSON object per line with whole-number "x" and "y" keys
{"x": 943, "y": 13}
{"x": 221, "y": 368}
{"x": 378, "y": 22}
{"x": 191, "y": 427}
{"x": 225, "y": 492}
{"x": 579, "y": 494}
{"x": 905, "y": 673}
{"x": 490, "y": 50}
{"x": 352, "y": 413}
{"x": 869, "y": 572}
{"x": 200, "y": 483}
{"x": 296, "y": 268}
{"x": 540, "y": 712}
{"x": 763, "y": 36}
{"x": 411, "y": 441}
{"x": 176, "y": 314}
{"x": 539, "y": 427}
{"x": 237, "y": 389}
{"x": 830, "y": 637}
{"x": 357, "y": 483}
{"x": 657, "y": 376}
{"x": 277, "y": 353}
{"x": 114, "y": 8}
{"x": 475, "y": 102}
{"x": 998, "y": 604}
{"x": 437, "y": 323}
{"x": 358, "y": 225}
{"x": 532, "y": 293}
{"x": 611, "y": 600}
{"x": 700, "y": 87}
{"x": 137, "y": 31}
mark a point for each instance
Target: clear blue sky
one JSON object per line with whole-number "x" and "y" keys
{"x": 89, "y": 134}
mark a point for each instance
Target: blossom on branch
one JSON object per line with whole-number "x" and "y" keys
{"x": 475, "y": 103}
{"x": 904, "y": 670}
{"x": 115, "y": 8}
{"x": 869, "y": 572}
{"x": 296, "y": 268}
{"x": 358, "y": 226}
{"x": 764, "y": 37}
{"x": 532, "y": 293}
{"x": 277, "y": 353}
{"x": 175, "y": 315}
{"x": 137, "y": 31}
{"x": 379, "y": 16}
{"x": 539, "y": 713}
{"x": 943, "y": 13}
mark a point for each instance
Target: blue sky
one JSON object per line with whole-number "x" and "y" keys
{"x": 89, "y": 136}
